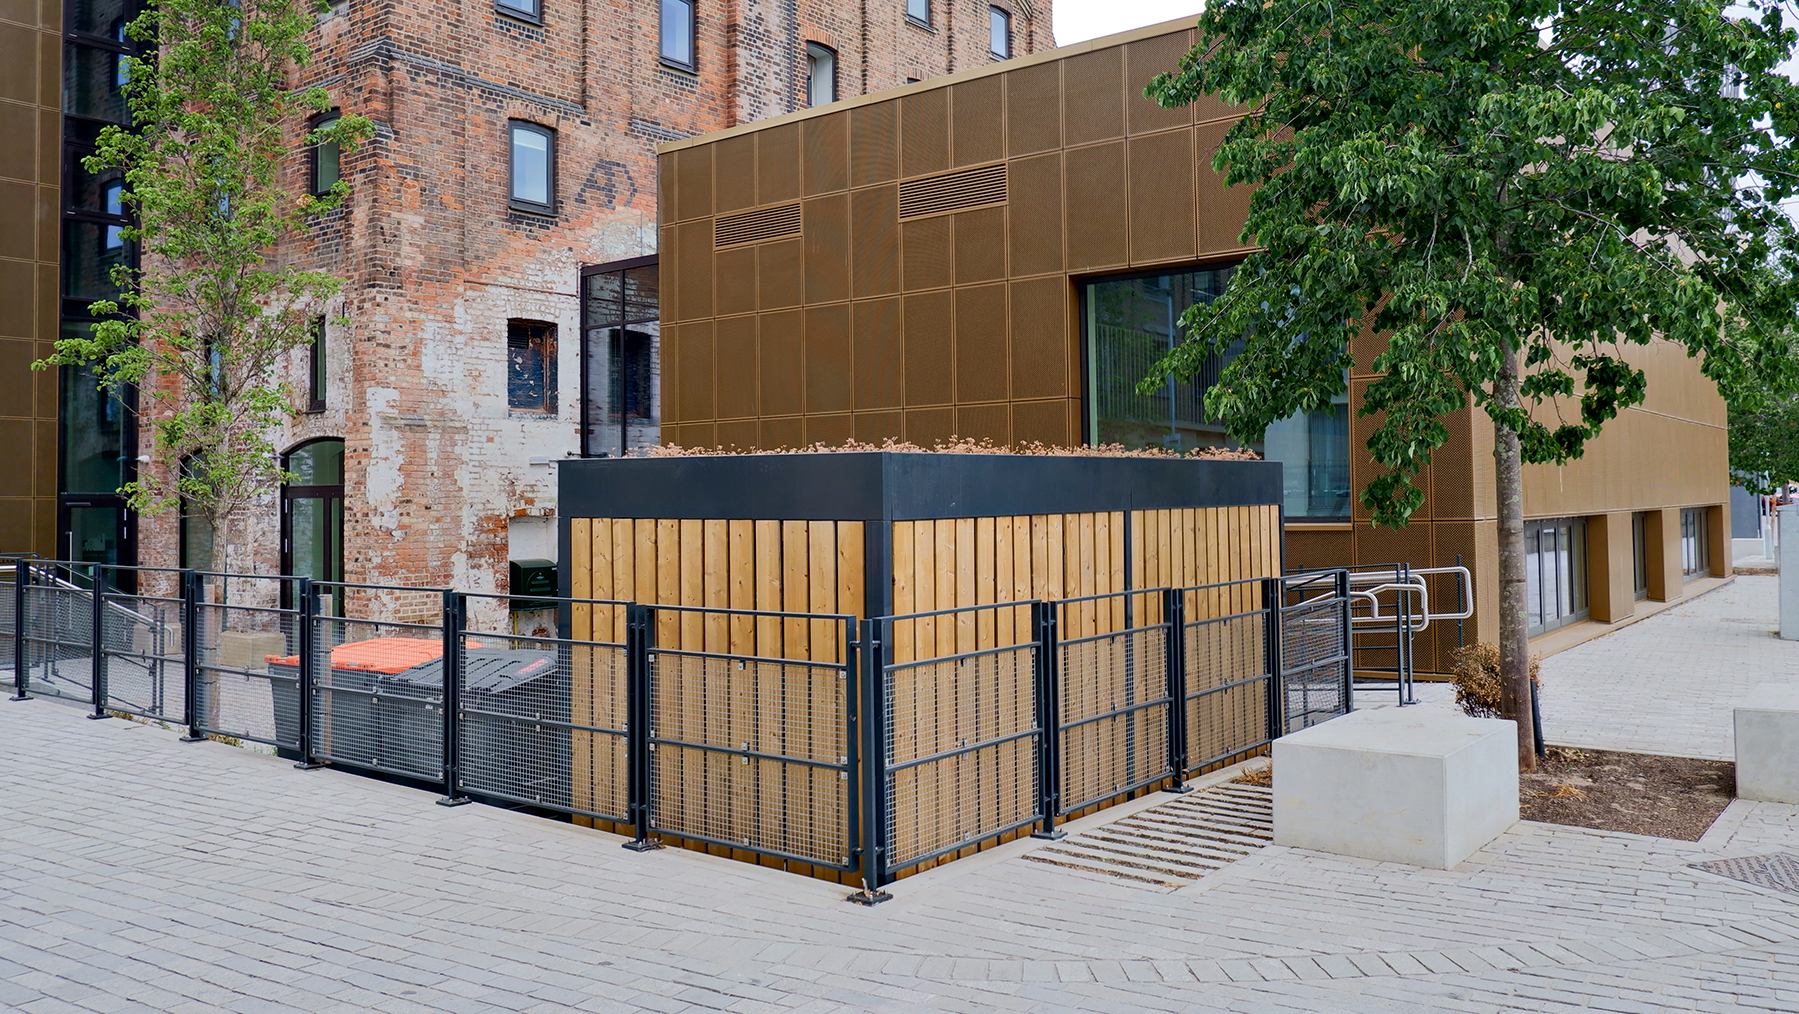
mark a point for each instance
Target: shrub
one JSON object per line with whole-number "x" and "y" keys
{"x": 1476, "y": 680}
{"x": 966, "y": 445}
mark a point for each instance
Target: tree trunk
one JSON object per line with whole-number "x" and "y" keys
{"x": 1514, "y": 641}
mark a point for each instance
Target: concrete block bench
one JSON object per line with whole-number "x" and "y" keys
{"x": 1404, "y": 785}
{"x": 1767, "y": 728}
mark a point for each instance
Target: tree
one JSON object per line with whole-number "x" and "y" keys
{"x": 1511, "y": 194}
{"x": 201, "y": 328}
{"x": 1764, "y": 435}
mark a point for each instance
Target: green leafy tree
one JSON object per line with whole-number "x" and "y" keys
{"x": 202, "y": 327}
{"x": 1510, "y": 194}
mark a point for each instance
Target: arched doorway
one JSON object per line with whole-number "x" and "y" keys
{"x": 312, "y": 513}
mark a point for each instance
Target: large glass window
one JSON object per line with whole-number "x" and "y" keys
{"x": 1555, "y": 573}
{"x": 318, "y": 364}
{"x": 1130, "y": 324}
{"x": 533, "y": 167}
{"x": 620, "y": 334}
{"x": 93, "y": 432}
{"x": 1695, "y": 543}
{"x": 677, "y": 33}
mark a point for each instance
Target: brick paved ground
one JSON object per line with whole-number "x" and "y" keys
{"x": 141, "y": 874}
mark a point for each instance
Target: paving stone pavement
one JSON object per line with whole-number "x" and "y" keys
{"x": 141, "y": 874}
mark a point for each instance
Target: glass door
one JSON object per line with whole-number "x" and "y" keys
{"x": 312, "y": 516}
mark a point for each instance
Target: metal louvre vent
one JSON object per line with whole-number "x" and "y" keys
{"x": 781, "y": 221}
{"x": 980, "y": 187}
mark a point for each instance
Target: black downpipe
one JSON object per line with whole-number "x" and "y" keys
{"x": 1271, "y": 649}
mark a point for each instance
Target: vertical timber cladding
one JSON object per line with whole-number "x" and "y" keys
{"x": 773, "y": 566}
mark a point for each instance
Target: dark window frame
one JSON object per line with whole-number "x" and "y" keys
{"x": 333, "y": 496}
{"x": 1695, "y": 526}
{"x": 613, "y": 333}
{"x": 313, "y": 151}
{"x": 513, "y": 201}
{"x": 1639, "y": 552}
{"x": 1550, "y": 582}
{"x": 534, "y": 17}
{"x": 318, "y": 362}
{"x": 1004, "y": 17}
{"x": 523, "y": 333}
{"x": 811, "y": 46}
{"x": 692, "y": 63}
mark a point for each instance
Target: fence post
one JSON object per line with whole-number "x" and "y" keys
{"x": 1348, "y": 634}
{"x": 1271, "y": 606}
{"x": 192, "y": 588}
{"x": 638, "y": 651}
{"x": 1174, "y": 613}
{"x": 1049, "y": 767}
{"x": 97, "y": 665}
{"x": 871, "y": 742}
{"x": 21, "y": 657}
{"x": 455, "y": 617}
{"x": 306, "y": 676}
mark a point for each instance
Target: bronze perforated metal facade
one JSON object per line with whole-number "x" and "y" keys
{"x": 946, "y": 230}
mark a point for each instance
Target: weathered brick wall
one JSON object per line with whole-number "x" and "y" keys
{"x": 435, "y": 461}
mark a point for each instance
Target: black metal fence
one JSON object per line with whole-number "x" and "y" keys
{"x": 869, "y": 748}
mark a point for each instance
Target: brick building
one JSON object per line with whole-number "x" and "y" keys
{"x": 515, "y": 144}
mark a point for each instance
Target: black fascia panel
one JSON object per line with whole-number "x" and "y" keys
{"x": 898, "y": 486}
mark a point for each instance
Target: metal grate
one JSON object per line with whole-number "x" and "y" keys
{"x": 751, "y": 753}
{"x": 960, "y": 190}
{"x": 1173, "y": 844}
{"x": 59, "y": 638}
{"x": 247, "y": 645}
{"x": 9, "y": 619}
{"x": 1226, "y": 687}
{"x": 758, "y": 226}
{"x": 1776, "y": 871}
{"x": 378, "y": 685}
{"x": 1114, "y": 721}
{"x": 961, "y": 747}
{"x": 145, "y": 655}
{"x": 1314, "y": 667}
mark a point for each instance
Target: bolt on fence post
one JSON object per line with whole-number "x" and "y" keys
{"x": 455, "y": 617}
{"x": 306, "y": 676}
{"x": 1049, "y": 767}
{"x": 192, "y": 589}
{"x": 21, "y": 657}
{"x": 1271, "y": 649}
{"x": 1174, "y": 613}
{"x": 871, "y": 738}
{"x": 97, "y": 665}
{"x": 638, "y": 653}
{"x": 1347, "y": 633}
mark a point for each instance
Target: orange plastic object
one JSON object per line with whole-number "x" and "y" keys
{"x": 386, "y": 655}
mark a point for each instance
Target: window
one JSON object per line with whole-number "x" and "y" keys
{"x": 317, "y": 359}
{"x": 821, "y": 74}
{"x": 529, "y": 10}
{"x": 1639, "y": 546}
{"x": 677, "y": 33}
{"x": 1131, "y": 322}
{"x": 620, "y": 329}
{"x": 533, "y": 167}
{"x": 531, "y": 367}
{"x": 919, "y": 11}
{"x": 1555, "y": 573}
{"x": 312, "y": 518}
{"x": 1695, "y": 544}
{"x": 196, "y": 531}
{"x": 325, "y": 156}
{"x": 999, "y": 25}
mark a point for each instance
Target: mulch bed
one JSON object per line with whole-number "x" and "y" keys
{"x": 1668, "y": 797}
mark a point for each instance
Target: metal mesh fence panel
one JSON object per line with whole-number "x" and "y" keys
{"x": 961, "y": 742}
{"x": 751, "y": 752}
{"x": 9, "y": 618}
{"x": 145, "y": 655}
{"x": 542, "y": 722}
{"x": 247, "y": 661}
{"x": 1314, "y": 667}
{"x": 1226, "y": 687}
{"x": 59, "y": 636}
{"x": 1114, "y": 714}
{"x": 378, "y": 684}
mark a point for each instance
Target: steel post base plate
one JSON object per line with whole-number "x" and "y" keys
{"x": 1050, "y": 835}
{"x": 868, "y": 899}
{"x": 647, "y": 845}
{"x": 452, "y": 800}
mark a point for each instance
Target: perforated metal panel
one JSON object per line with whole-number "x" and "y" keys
{"x": 874, "y": 240}
{"x": 736, "y": 358}
{"x": 1143, "y": 61}
{"x": 874, "y": 427}
{"x": 671, "y": 390}
{"x": 981, "y": 367}
{"x": 827, "y": 223}
{"x": 1098, "y": 218}
{"x": 665, "y": 184}
{"x": 780, "y": 274}
{"x": 930, "y": 425}
{"x": 924, "y": 133}
{"x": 778, "y": 164}
{"x": 831, "y": 430}
{"x": 953, "y": 191}
{"x": 742, "y": 433}
{"x": 735, "y": 279}
{"x": 669, "y": 244}
{"x": 789, "y": 431}
{"x": 1452, "y": 495}
{"x": 828, "y": 365}
{"x": 874, "y": 144}
{"x": 697, "y": 370}
{"x": 879, "y": 363}
{"x": 928, "y": 263}
{"x": 693, "y": 272}
{"x": 929, "y": 364}
{"x": 1093, "y": 101}
{"x": 1043, "y": 422}
{"x": 826, "y": 153}
{"x": 1039, "y": 340}
{"x": 781, "y": 343}
{"x": 761, "y": 225}
{"x": 1034, "y": 220}
{"x": 1222, "y": 209}
{"x": 693, "y": 190}
{"x": 1034, "y": 109}
{"x": 1162, "y": 219}
{"x": 984, "y": 422}
{"x": 977, "y": 121}
{"x": 980, "y": 245}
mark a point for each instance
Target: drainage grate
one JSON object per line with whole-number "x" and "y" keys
{"x": 1778, "y": 871}
{"x": 1173, "y": 844}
